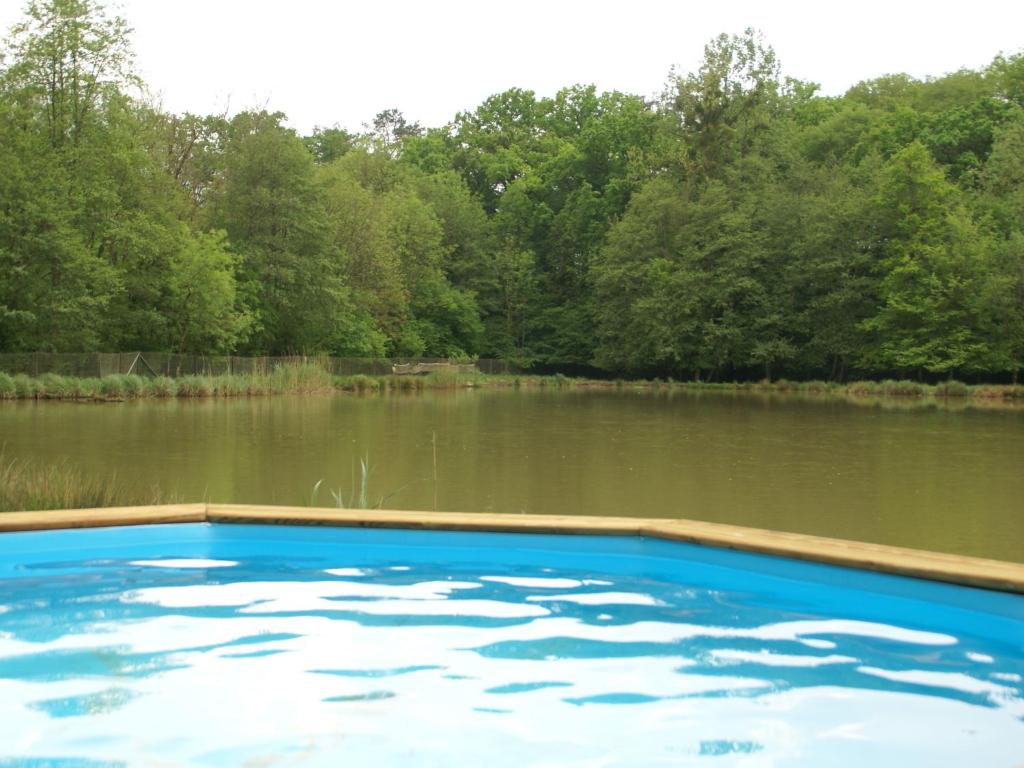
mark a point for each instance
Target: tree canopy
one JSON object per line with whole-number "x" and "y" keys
{"x": 740, "y": 225}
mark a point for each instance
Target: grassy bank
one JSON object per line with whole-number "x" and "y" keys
{"x": 886, "y": 388}
{"x": 27, "y": 486}
{"x": 310, "y": 378}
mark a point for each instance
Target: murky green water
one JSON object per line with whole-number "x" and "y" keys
{"x": 932, "y": 478}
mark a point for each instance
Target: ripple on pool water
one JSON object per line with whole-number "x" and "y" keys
{"x": 463, "y": 656}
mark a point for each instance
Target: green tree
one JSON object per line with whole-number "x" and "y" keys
{"x": 937, "y": 262}
{"x": 204, "y": 309}
{"x": 268, "y": 203}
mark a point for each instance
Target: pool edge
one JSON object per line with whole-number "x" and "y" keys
{"x": 922, "y": 564}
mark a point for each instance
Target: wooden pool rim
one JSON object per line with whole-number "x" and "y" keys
{"x": 921, "y": 564}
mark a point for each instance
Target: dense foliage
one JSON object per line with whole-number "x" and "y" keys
{"x": 741, "y": 225}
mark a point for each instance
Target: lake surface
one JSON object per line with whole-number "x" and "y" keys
{"x": 933, "y": 478}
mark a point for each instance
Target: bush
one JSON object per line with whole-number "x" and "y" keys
{"x": 7, "y": 389}
{"x": 112, "y": 386}
{"x": 25, "y": 485}
{"x": 53, "y": 387}
{"x": 362, "y": 383}
{"x": 229, "y": 385}
{"x": 24, "y": 387}
{"x": 134, "y": 386}
{"x": 862, "y": 388}
{"x": 902, "y": 388}
{"x": 816, "y": 387}
{"x": 88, "y": 389}
{"x": 952, "y": 388}
{"x": 300, "y": 377}
{"x": 162, "y": 386}
{"x": 194, "y": 386}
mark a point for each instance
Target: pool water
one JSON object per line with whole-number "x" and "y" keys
{"x": 214, "y": 645}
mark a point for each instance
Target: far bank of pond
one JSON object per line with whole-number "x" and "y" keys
{"x": 944, "y": 475}
{"x": 310, "y": 378}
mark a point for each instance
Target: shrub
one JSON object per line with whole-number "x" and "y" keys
{"x": 88, "y": 389}
{"x": 902, "y": 388}
{"x": 52, "y": 386}
{"x": 862, "y": 388}
{"x": 952, "y": 388}
{"x": 134, "y": 386}
{"x": 300, "y": 377}
{"x": 24, "y": 387}
{"x": 362, "y": 383}
{"x": 7, "y": 388}
{"x": 26, "y": 485}
{"x": 112, "y": 386}
{"x": 162, "y": 386}
{"x": 194, "y": 386}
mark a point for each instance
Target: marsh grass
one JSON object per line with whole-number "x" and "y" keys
{"x": 312, "y": 377}
{"x": 358, "y": 383}
{"x": 359, "y": 495}
{"x": 7, "y": 388}
{"x": 29, "y": 485}
{"x": 952, "y": 389}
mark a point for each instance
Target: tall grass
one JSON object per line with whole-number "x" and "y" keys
{"x": 29, "y": 485}
{"x": 312, "y": 377}
{"x": 451, "y": 379}
{"x": 359, "y": 494}
{"x": 359, "y": 497}
{"x": 7, "y": 389}
{"x": 303, "y": 377}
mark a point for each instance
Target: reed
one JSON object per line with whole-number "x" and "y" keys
{"x": 7, "y": 388}
{"x": 29, "y": 485}
{"x": 312, "y": 377}
{"x": 359, "y": 496}
{"x": 952, "y": 388}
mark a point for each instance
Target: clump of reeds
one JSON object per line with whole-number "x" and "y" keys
{"x": 300, "y": 378}
{"x": 195, "y": 386}
{"x": 24, "y": 387}
{"x": 7, "y": 388}
{"x": 29, "y": 485}
{"x": 358, "y": 498}
{"x": 121, "y": 386}
{"x": 815, "y": 387}
{"x": 952, "y": 388}
{"x": 358, "y": 383}
{"x": 903, "y": 388}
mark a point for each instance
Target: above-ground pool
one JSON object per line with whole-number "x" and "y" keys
{"x": 209, "y": 645}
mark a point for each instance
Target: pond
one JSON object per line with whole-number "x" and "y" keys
{"x": 942, "y": 478}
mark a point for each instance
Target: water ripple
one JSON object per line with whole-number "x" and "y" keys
{"x": 389, "y": 648}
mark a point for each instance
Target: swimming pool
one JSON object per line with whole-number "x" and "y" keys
{"x": 231, "y": 644}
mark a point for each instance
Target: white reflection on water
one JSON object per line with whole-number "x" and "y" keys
{"x": 955, "y": 681}
{"x": 285, "y": 592}
{"x": 599, "y": 598}
{"x": 330, "y": 672}
{"x": 813, "y": 642}
{"x": 534, "y": 582}
{"x": 980, "y": 658}
{"x": 184, "y": 562}
{"x": 769, "y": 659}
{"x": 346, "y": 572}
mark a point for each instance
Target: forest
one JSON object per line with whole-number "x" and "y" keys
{"x": 740, "y": 225}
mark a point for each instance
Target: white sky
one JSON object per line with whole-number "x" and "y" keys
{"x": 324, "y": 62}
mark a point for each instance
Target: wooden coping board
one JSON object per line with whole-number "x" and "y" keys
{"x": 935, "y": 566}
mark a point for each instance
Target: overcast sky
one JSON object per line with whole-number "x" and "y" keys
{"x": 324, "y": 62}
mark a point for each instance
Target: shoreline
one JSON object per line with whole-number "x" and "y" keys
{"x": 311, "y": 379}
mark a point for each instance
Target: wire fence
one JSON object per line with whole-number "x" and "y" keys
{"x": 166, "y": 364}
